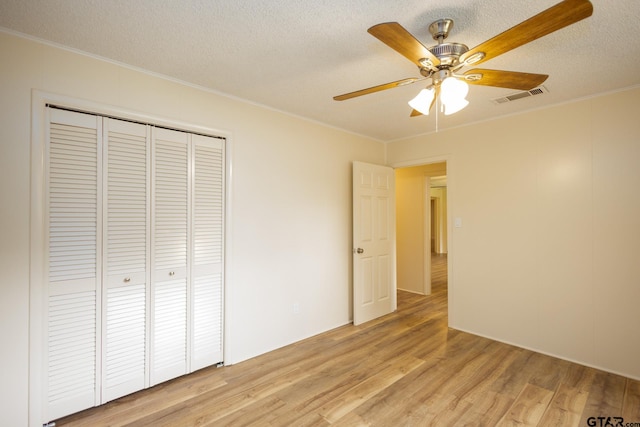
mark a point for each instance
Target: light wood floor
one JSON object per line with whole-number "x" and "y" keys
{"x": 405, "y": 369}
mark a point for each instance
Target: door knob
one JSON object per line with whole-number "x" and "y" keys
{"x": 359, "y": 251}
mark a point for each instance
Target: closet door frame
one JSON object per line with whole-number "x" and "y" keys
{"x": 37, "y": 260}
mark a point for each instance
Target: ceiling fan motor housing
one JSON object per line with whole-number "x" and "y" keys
{"x": 448, "y": 53}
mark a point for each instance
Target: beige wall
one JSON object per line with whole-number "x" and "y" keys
{"x": 291, "y": 203}
{"x": 548, "y": 258}
{"x": 410, "y": 225}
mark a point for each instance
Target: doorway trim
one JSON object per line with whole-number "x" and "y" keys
{"x": 427, "y": 219}
{"x": 448, "y": 159}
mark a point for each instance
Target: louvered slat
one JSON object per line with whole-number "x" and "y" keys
{"x": 72, "y": 213}
{"x": 125, "y": 337}
{"x": 207, "y": 321}
{"x": 208, "y": 205}
{"x": 169, "y": 330}
{"x": 72, "y": 345}
{"x": 126, "y": 199}
{"x": 171, "y": 203}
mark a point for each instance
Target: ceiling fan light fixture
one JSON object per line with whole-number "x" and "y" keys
{"x": 422, "y": 101}
{"x": 440, "y": 62}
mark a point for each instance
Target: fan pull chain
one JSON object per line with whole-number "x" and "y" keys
{"x": 438, "y": 106}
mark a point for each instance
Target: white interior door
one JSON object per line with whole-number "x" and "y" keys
{"x": 126, "y": 257}
{"x": 73, "y": 218}
{"x": 170, "y": 254}
{"x": 208, "y": 257}
{"x": 374, "y": 258}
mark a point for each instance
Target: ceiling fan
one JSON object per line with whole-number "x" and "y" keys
{"x": 441, "y": 63}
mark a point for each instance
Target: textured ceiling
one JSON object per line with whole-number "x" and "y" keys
{"x": 294, "y": 55}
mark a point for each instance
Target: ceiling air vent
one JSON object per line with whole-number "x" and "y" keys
{"x": 519, "y": 95}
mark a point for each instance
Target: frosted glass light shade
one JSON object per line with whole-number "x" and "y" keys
{"x": 452, "y": 94}
{"x": 453, "y": 89}
{"x": 451, "y": 107}
{"x": 422, "y": 102}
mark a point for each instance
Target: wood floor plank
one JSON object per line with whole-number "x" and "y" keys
{"x": 148, "y": 402}
{"x": 324, "y": 385}
{"x": 420, "y": 340}
{"x": 211, "y": 409}
{"x": 515, "y": 375}
{"x": 566, "y": 407}
{"x": 528, "y": 408}
{"x": 353, "y": 420}
{"x": 477, "y": 376}
{"x": 580, "y": 377}
{"x": 403, "y": 397}
{"x": 606, "y": 396}
{"x": 426, "y": 386}
{"x": 487, "y": 410}
{"x": 631, "y": 403}
{"x": 253, "y": 414}
{"x": 358, "y": 394}
{"x": 438, "y": 410}
{"x": 404, "y": 369}
{"x": 447, "y": 411}
{"x": 549, "y": 371}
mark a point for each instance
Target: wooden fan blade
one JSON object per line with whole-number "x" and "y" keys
{"x": 399, "y": 39}
{"x": 556, "y": 17}
{"x": 378, "y": 88}
{"x": 415, "y": 113}
{"x": 508, "y": 79}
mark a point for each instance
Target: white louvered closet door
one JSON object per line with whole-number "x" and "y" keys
{"x": 170, "y": 254}
{"x": 134, "y": 253}
{"x": 126, "y": 257}
{"x": 73, "y": 215}
{"x": 208, "y": 243}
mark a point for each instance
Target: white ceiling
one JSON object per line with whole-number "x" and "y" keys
{"x": 294, "y": 55}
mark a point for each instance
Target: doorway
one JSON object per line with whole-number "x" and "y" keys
{"x": 421, "y": 227}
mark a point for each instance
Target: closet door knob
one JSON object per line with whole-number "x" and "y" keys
{"x": 127, "y": 279}
{"x": 172, "y": 273}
